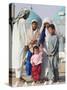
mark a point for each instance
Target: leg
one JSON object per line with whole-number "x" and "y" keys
{"x": 18, "y": 75}
{"x": 50, "y": 70}
{"x": 56, "y": 75}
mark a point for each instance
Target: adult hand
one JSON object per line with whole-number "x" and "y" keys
{"x": 33, "y": 41}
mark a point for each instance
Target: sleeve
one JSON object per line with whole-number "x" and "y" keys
{"x": 26, "y": 55}
{"x": 53, "y": 47}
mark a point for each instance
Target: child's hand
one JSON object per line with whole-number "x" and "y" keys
{"x": 33, "y": 41}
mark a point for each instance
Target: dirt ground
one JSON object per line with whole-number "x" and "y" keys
{"x": 28, "y": 79}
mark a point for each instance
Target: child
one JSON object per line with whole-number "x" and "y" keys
{"x": 53, "y": 58}
{"x": 27, "y": 60}
{"x": 36, "y": 61}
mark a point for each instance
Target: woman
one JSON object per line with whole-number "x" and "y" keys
{"x": 43, "y": 41}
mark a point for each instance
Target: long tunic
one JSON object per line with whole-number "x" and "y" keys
{"x": 19, "y": 40}
{"x": 45, "y": 58}
{"x": 44, "y": 65}
{"x": 53, "y": 57}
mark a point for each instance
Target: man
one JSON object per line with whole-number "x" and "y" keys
{"x": 33, "y": 34}
{"x": 19, "y": 39}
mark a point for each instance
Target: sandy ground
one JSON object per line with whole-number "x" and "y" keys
{"x": 29, "y": 80}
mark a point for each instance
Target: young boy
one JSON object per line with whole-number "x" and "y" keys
{"x": 53, "y": 57}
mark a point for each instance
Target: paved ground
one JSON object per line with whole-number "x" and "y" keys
{"x": 29, "y": 80}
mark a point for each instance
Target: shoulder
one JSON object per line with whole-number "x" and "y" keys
{"x": 56, "y": 38}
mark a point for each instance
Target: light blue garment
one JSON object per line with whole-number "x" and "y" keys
{"x": 53, "y": 57}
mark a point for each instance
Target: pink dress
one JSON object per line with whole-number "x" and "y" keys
{"x": 36, "y": 59}
{"x": 36, "y": 68}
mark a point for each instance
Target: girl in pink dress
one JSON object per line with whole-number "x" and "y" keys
{"x": 36, "y": 61}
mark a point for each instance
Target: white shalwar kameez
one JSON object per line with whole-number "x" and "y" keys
{"x": 19, "y": 40}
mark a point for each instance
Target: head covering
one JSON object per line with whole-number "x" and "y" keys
{"x": 46, "y": 20}
{"x": 23, "y": 11}
{"x": 34, "y": 20}
{"x": 34, "y": 16}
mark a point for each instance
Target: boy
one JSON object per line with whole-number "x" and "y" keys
{"x": 53, "y": 57}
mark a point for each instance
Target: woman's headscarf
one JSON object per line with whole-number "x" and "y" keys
{"x": 46, "y": 20}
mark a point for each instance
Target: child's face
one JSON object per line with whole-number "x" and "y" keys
{"x": 36, "y": 51}
{"x": 51, "y": 31}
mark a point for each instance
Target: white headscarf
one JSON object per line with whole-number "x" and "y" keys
{"x": 46, "y": 20}
{"x": 34, "y": 20}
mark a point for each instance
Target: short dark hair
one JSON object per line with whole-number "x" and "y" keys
{"x": 35, "y": 47}
{"x": 51, "y": 26}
